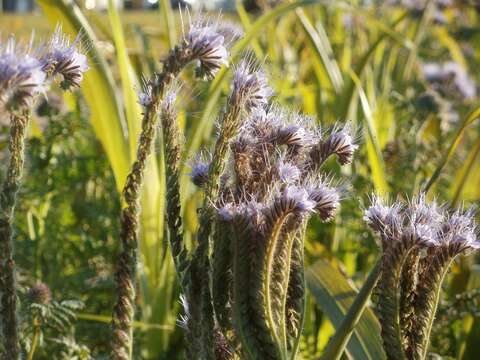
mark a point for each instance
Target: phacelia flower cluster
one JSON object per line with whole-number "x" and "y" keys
{"x": 26, "y": 72}
{"x": 208, "y": 41}
{"x": 65, "y": 59}
{"x": 419, "y": 241}
{"x": 21, "y": 75}
{"x": 425, "y": 224}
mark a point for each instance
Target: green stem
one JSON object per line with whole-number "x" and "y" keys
{"x": 125, "y": 277}
{"x": 8, "y": 314}
{"x": 36, "y": 336}
{"x": 338, "y": 343}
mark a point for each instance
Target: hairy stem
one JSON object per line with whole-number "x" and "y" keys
{"x": 124, "y": 309}
{"x": 200, "y": 267}
{"x": 8, "y": 315}
{"x": 389, "y": 303}
{"x": 171, "y": 137}
{"x": 36, "y": 336}
{"x": 429, "y": 288}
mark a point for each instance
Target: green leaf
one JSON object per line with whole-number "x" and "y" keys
{"x": 374, "y": 152}
{"x": 335, "y": 295}
{"x": 469, "y": 119}
{"x": 98, "y": 87}
{"x": 337, "y": 344}
{"x": 322, "y": 50}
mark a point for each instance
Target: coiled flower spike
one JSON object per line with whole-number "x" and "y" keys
{"x": 62, "y": 57}
{"x": 410, "y": 284}
{"x": 21, "y": 75}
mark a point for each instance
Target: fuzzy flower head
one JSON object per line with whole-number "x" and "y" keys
{"x": 250, "y": 87}
{"x": 207, "y": 42}
{"x": 326, "y": 199}
{"x": 199, "y": 174}
{"x": 40, "y": 294}
{"x": 21, "y": 75}
{"x": 287, "y": 172}
{"x": 298, "y": 199}
{"x": 460, "y": 231}
{"x": 64, "y": 58}
{"x": 341, "y": 142}
{"x": 145, "y": 96}
{"x": 381, "y": 218}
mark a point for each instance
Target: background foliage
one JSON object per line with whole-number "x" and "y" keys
{"x": 342, "y": 60}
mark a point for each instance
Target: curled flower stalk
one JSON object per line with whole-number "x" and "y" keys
{"x": 22, "y": 78}
{"x": 205, "y": 45}
{"x": 419, "y": 242}
{"x": 261, "y": 187}
{"x": 18, "y": 129}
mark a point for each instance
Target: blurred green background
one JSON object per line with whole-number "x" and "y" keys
{"x": 405, "y": 72}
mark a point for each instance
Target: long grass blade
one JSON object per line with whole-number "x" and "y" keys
{"x": 469, "y": 119}
{"x": 338, "y": 343}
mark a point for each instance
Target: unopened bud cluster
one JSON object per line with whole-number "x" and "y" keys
{"x": 419, "y": 242}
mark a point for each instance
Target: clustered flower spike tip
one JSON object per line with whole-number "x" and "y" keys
{"x": 21, "y": 75}
{"x": 426, "y": 223}
{"x": 208, "y": 41}
{"x": 64, "y": 58}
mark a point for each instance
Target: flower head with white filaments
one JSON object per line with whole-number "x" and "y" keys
{"x": 420, "y": 239}
{"x": 208, "y": 41}
{"x": 21, "y": 75}
{"x": 64, "y": 58}
{"x": 427, "y": 223}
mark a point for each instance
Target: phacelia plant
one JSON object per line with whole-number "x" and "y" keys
{"x": 419, "y": 242}
{"x": 25, "y": 72}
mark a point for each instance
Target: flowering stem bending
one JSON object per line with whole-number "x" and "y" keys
{"x": 124, "y": 309}
{"x": 200, "y": 266}
{"x": 429, "y": 288}
{"x": 171, "y": 138}
{"x": 19, "y": 123}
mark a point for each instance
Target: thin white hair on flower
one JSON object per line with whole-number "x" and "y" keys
{"x": 291, "y": 127}
{"x": 145, "y": 96}
{"x": 342, "y": 142}
{"x": 383, "y": 218}
{"x": 21, "y": 75}
{"x": 207, "y": 43}
{"x": 183, "y": 319}
{"x": 327, "y": 200}
{"x": 460, "y": 231}
{"x": 200, "y": 168}
{"x": 65, "y": 58}
{"x": 287, "y": 172}
{"x": 171, "y": 97}
{"x": 250, "y": 86}
{"x": 419, "y": 211}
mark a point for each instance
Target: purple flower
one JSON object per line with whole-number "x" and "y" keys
{"x": 327, "y": 201}
{"x": 207, "y": 44}
{"x": 287, "y": 172}
{"x": 250, "y": 87}
{"x": 298, "y": 199}
{"x": 382, "y": 218}
{"x": 341, "y": 142}
{"x": 64, "y": 58}
{"x": 21, "y": 76}
{"x": 199, "y": 173}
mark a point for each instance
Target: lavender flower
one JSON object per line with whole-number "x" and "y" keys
{"x": 327, "y": 201}
{"x": 341, "y": 143}
{"x": 208, "y": 45}
{"x": 21, "y": 76}
{"x": 64, "y": 58}
{"x": 145, "y": 96}
{"x": 250, "y": 87}
{"x": 450, "y": 74}
{"x": 199, "y": 173}
{"x": 287, "y": 172}
{"x": 298, "y": 198}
